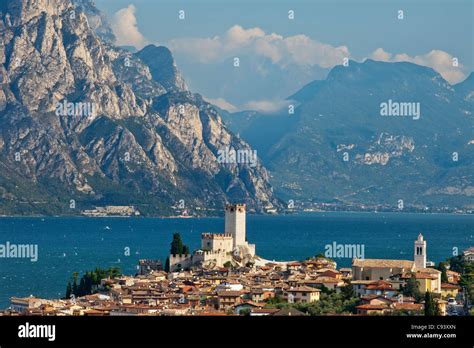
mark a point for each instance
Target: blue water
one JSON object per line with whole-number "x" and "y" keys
{"x": 68, "y": 245}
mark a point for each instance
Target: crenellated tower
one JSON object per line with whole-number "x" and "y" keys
{"x": 235, "y": 223}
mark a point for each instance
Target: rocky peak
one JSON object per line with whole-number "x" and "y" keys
{"x": 97, "y": 20}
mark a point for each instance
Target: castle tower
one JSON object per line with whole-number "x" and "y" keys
{"x": 235, "y": 223}
{"x": 420, "y": 252}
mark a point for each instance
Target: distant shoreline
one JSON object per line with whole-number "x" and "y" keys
{"x": 297, "y": 213}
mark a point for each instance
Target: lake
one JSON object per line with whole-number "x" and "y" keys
{"x": 67, "y": 245}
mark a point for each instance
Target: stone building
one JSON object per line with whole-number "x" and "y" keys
{"x": 219, "y": 248}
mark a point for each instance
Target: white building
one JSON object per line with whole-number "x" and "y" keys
{"x": 469, "y": 254}
{"x": 420, "y": 252}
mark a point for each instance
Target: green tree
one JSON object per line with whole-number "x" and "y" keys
{"x": 411, "y": 289}
{"x": 68, "y": 290}
{"x": 89, "y": 280}
{"x": 245, "y": 312}
{"x": 167, "y": 265}
{"x": 431, "y": 307}
{"x": 443, "y": 269}
{"x": 228, "y": 264}
{"x": 185, "y": 250}
{"x": 74, "y": 283}
{"x": 177, "y": 246}
{"x": 347, "y": 291}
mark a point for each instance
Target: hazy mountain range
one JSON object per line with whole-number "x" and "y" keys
{"x": 339, "y": 147}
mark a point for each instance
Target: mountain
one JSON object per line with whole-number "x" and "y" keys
{"x": 97, "y": 20}
{"x": 340, "y": 147}
{"x": 466, "y": 88}
{"x": 84, "y": 123}
{"x": 162, "y": 67}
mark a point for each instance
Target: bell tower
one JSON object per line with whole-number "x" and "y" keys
{"x": 420, "y": 252}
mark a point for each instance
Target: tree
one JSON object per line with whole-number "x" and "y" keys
{"x": 347, "y": 291}
{"x": 431, "y": 307}
{"x": 443, "y": 269}
{"x": 228, "y": 264}
{"x": 68, "y": 290}
{"x": 89, "y": 280}
{"x": 185, "y": 250}
{"x": 74, "y": 283}
{"x": 245, "y": 312}
{"x": 177, "y": 246}
{"x": 167, "y": 265}
{"x": 411, "y": 289}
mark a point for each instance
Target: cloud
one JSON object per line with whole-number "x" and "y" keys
{"x": 438, "y": 60}
{"x": 124, "y": 26}
{"x": 222, "y": 103}
{"x": 237, "y": 41}
{"x": 267, "y": 106}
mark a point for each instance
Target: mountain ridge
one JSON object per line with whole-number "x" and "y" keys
{"x": 388, "y": 158}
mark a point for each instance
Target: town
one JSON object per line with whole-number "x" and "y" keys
{"x": 226, "y": 277}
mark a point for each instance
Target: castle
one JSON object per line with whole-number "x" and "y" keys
{"x": 218, "y": 249}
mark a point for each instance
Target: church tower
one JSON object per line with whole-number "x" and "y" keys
{"x": 235, "y": 223}
{"x": 420, "y": 252}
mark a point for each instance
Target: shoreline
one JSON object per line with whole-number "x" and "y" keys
{"x": 299, "y": 213}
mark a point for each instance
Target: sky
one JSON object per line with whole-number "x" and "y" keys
{"x": 278, "y": 55}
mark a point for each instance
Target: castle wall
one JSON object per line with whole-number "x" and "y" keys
{"x": 215, "y": 242}
{"x": 220, "y": 258}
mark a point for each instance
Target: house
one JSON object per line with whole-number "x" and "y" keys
{"x": 328, "y": 282}
{"x": 410, "y": 308}
{"x": 453, "y": 277}
{"x": 449, "y": 290}
{"x": 380, "y": 287}
{"x": 346, "y": 273}
{"x": 247, "y": 305}
{"x": 468, "y": 254}
{"x": 429, "y": 279}
{"x": 301, "y": 294}
{"x": 259, "y": 312}
{"x": 371, "y": 309}
{"x": 359, "y": 286}
{"x": 146, "y": 266}
{"x": 260, "y": 295}
{"x": 331, "y": 273}
{"x": 376, "y": 300}
{"x": 228, "y": 299}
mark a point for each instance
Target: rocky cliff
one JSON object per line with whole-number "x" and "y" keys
{"x": 84, "y": 123}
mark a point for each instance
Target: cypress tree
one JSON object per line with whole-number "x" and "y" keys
{"x": 431, "y": 307}
{"x": 68, "y": 290}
